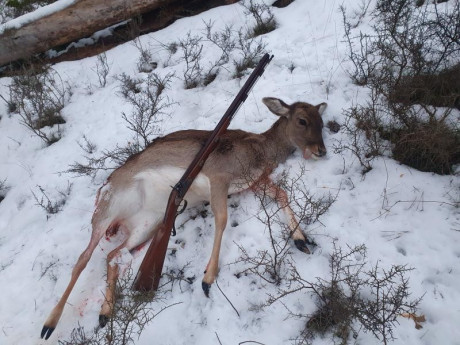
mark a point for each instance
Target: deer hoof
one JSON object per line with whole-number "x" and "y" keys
{"x": 46, "y": 332}
{"x": 302, "y": 246}
{"x": 103, "y": 320}
{"x": 205, "y": 286}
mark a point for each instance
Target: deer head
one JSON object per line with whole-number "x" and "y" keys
{"x": 305, "y": 125}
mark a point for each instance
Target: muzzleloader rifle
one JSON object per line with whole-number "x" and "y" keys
{"x": 148, "y": 276}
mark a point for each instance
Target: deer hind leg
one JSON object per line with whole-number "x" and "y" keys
{"x": 139, "y": 227}
{"x": 275, "y": 192}
{"x": 219, "y": 208}
{"x": 56, "y": 313}
{"x": 112, "y": 275}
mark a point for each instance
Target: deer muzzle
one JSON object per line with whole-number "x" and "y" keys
{"x": 315, "y": 154}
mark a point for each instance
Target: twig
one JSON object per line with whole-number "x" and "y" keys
{"x": 218, "y": 339}
{"x": 167, "y": 307}
{"x": 227, "y": 299}
{"x": 412, "y": 201}
{"x": 250, "y": 341}
{"x": 46, "y": 269}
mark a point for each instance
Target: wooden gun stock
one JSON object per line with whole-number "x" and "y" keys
{"x": 149, "y": 274}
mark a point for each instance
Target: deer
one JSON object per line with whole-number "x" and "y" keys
{"x": 134, "y": 196}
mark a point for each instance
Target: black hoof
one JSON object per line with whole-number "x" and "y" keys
{"x": 46, "y": 332}
{"x": 103, "y": 320}
{"x": 302, "y": 245}
{"x": 205, "y": 287}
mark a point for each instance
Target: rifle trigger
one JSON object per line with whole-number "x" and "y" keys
{"x": 173, "y": 231}
{"x": 183, "y": 208}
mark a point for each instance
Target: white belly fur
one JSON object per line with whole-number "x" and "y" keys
{"x": 141, "y": 205}
{"x": 155, "y": 185}
{"x": 149, "y": 191}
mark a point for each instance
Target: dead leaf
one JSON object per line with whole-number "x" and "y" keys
{"x": 417, "y": 319}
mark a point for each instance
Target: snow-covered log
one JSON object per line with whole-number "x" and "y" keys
{"x": 78, "y": 20}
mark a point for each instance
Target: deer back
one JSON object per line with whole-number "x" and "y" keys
{"x": 240, "y": 155}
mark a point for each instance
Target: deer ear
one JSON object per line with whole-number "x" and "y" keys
{"x": 276, "y": 106}
{"x": 321, "y": 107}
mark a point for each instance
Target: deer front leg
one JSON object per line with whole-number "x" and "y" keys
{"x": 219, "y": 208}
{"x": 267, "y": 186}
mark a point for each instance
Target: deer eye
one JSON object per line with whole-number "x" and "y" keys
{"x": 303, "y": 122}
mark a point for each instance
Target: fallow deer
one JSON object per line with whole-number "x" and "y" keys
{"x": 135, "y": 195}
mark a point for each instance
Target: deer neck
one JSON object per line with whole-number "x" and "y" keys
{"x": 279, "y": 147}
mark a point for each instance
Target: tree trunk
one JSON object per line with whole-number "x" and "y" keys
{"x": 81, "y": 19}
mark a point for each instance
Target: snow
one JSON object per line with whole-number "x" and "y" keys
{"x": 403, "y": 216}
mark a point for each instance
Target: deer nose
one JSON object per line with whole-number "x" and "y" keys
{"x": 321, "y": 152}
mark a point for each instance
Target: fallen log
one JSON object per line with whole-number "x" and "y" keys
{"x": 82, "y": 19}
{"x": 150, "y": 21}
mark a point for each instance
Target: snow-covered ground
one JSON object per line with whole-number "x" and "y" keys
{"x": 37, "y": 252}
